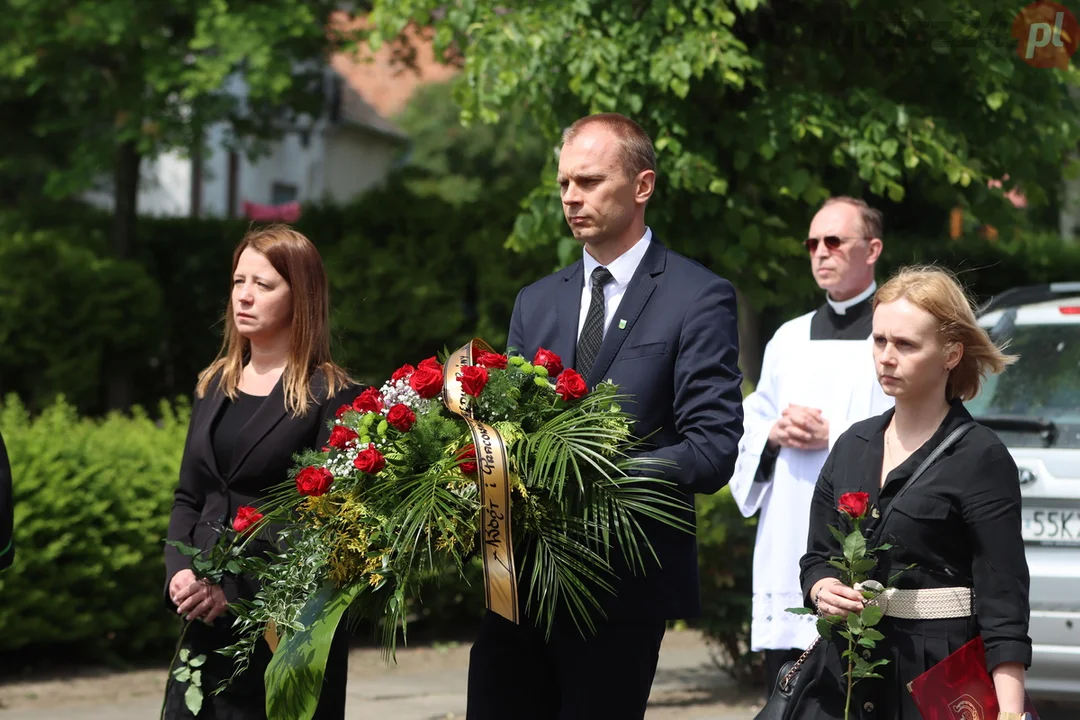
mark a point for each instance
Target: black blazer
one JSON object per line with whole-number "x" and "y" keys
{"x": 206, "y": 498}
{"x": 959, "y": 523}
{"x": 678, "y": 357}
{"x": 7, "y": 511}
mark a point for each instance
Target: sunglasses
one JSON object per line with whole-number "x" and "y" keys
{"x": 833, "y": 242}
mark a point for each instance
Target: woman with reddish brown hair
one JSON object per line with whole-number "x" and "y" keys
{"x": 272, "y": 392}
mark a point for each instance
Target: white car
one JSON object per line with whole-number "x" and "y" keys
{"x": 1035, "y": 408}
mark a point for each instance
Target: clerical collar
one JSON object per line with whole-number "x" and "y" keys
{"x": 840, "y": 307}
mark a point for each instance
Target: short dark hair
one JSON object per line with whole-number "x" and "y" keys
{"x": 871, "y": 219}
{"x": 636, "y": 147}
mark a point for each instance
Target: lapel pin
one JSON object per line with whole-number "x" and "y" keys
{"x": 622, "y": 324}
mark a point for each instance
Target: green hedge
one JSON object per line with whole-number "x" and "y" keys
{"x": 66, "y": 311}
{"x": 92, "y": 499}
{"x": 409, "y": 276}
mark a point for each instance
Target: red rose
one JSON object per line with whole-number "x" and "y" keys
{"x": 473, "y": 379}
{"x": 431, "y": 363}
{"x": 246, "y": 517}
{"x": 854, "y": 504}
{"x": 368, "y": 401}
{"x": 549, "y": 360}
{"x": 340, "y": 436}
{"x": 401, "y": 417}
{"x": 426, "y": 381}
{"x": 402, "y": 372}
{"x": 490, "y": 360}
{"x": 570, "y": 385}
{"x": 370, "y": 460}
{"x": 468, "y": 454}
{"x": 314, "y": 481}
{"x": 343, "y": 409}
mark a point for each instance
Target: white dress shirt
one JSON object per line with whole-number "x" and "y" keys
{"x": 622, "y": 270}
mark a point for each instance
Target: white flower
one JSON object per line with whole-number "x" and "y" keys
{"x": 401, "y": 392}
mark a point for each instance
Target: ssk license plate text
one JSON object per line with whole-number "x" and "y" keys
{"x": 1052, "y": 526}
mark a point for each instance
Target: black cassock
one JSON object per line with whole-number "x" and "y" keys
{"x": 959, "y": 523}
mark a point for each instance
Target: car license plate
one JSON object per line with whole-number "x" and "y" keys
{"x": 1051, "y": 526}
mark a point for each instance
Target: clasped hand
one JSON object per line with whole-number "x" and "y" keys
{"x": 835, "y": 598}
{"x": 800, "y": 428}
{"x": 196, "y": 599}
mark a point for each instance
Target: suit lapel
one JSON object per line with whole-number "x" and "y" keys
{"x": 637, "y": 295}
{"x": 269, "y": 414}
{"x": 568, "y": 313}
{"x": 211, "y": 406}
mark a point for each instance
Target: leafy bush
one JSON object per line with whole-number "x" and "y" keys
{"x": 92, "y": 500}
{"x": 67, "y": 313}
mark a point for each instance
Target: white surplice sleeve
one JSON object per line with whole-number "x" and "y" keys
{"x": 760, "y": 412}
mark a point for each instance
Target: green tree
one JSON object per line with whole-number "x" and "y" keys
{"x": 109, "y": 83}
{"x": 119, "y": 81}
{"x": 761, "y": 110}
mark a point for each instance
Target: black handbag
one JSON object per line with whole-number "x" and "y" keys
{"x": 795, "y": 677}
{"x": 791, "y": 683}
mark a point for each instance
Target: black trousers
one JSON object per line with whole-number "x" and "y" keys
{"x": 774, "y": 660}
{"x": 515, "y": 675}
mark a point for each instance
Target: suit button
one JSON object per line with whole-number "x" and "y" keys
{"x": 868, "y": 707}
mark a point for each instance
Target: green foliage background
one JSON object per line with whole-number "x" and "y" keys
{"x": 92, "y": 500}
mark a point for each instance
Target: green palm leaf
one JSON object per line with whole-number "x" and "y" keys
{"x": 565, "y": 571}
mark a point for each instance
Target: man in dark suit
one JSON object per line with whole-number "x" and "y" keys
{"x": 7, "y": 511}
{"x": 663, "y": 328}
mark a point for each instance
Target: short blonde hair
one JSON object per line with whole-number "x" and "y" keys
{"x": 938, "y": 292}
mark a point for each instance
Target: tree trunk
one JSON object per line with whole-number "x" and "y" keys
{"x": 118, "y": 385}
{"x": 750, "y": 350}
{"x": 125, "y": 218}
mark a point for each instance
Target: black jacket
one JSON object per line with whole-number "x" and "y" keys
{"x": 206, "y": 500}
{"x": 7, "y": 511}
{"x": 673, "y": 345}
{"x": 959, "y": 523}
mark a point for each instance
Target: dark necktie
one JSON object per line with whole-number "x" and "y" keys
{"x": 592, "y": 332}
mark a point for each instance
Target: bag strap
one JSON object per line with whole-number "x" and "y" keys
{"x": 785, "y": 682}
{"x": 944, "y": 445}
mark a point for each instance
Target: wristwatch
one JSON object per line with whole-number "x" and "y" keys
{"x": 1014, "y": 716}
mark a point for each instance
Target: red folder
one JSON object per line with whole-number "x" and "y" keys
{"x": 959, "y": 688}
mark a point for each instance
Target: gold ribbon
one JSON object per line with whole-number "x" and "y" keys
{"x": 271, "y": 636}
{"x": 493, "y": 477}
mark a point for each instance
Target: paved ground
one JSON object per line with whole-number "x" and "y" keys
{"x": 428, "y": 683}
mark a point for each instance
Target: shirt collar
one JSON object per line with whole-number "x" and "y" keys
{"x": 622, "y": 268}
{"x": 841, "y": 307}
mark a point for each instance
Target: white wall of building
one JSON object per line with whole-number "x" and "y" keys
{"x": 333, "y": 163}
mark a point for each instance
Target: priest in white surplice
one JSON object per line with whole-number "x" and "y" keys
{"x": 817, "y": 379}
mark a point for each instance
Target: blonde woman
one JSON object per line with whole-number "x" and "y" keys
{"x": 267, "y": 396}
{"x": 959, "y": 522}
